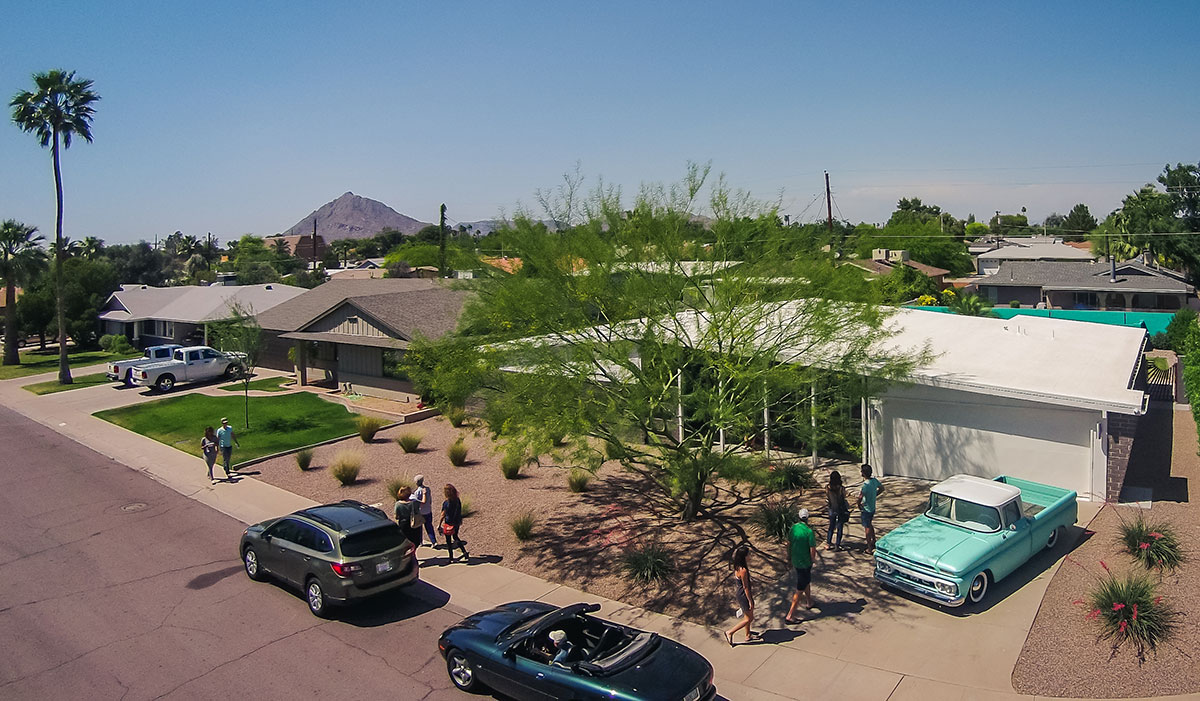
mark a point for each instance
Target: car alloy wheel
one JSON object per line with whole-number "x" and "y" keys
{"x": 233, "y": 372}
{"x": 1053, "y": 539}
{"x": 460, "y": 670}
{"x": 979, "y": 587}
{"x": 250, "y": 560}
{"x": 315, "y": 596}
{"x": 165, "y": 383}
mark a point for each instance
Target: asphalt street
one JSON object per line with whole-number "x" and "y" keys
{"x": 113, "y": 586}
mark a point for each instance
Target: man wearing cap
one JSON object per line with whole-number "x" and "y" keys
{"x": 803, "y": 546}
{"x": 561, "y": 645}
{"x": 226, "y": 440}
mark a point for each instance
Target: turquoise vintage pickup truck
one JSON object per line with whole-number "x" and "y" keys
{"x": 975, "y": 532}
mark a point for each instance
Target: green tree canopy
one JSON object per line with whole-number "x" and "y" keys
{"x": 21, "y": 259}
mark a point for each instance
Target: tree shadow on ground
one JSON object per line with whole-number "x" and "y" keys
{"x": 585, "y": 547}
{"x": 207, "y": 579}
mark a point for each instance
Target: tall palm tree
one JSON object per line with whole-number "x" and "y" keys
{"x": 21, "y": 258}
{"x": 91, "y": 247}
{"x": 60, "y": 107}
{"x": 186, "y": 246}
{"x": 66, "y": 248}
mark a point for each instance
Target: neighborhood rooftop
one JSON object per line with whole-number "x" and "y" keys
{"x": 316, "y": 302}
{"x": 1132, "y": 276}
{"x": 192, "y": 304}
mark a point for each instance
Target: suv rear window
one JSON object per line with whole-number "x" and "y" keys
{"x": 373, "y": 542}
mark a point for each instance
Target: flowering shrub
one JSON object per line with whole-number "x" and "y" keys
{"x": 1155, "y": 545}
{"x": 927, "y": 300}
{"x": 1129, "y": 610}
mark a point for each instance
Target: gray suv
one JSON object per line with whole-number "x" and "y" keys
{"x": 336, "y": 553}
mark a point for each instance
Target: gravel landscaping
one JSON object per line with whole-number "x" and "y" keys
{"x": 579, "y": 538}
{"x": 1063, "y": 655}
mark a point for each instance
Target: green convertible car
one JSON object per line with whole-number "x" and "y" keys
{"x": 975, "y": 532}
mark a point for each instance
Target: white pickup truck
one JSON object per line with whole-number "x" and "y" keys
{"x": 122, "y": 370}
{"x": 190, "y": 364}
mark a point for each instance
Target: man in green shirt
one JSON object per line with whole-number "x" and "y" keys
{"x": 803, "y": 549}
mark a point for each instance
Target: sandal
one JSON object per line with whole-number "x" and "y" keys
{"x": 791, "y": 621}
{"x": 729, "y": 637}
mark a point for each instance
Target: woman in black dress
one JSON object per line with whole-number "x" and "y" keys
{"x": 739, "y": 584}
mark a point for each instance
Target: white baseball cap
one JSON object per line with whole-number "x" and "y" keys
{"x": 557, "y": 636}
{"x": 803, "y": 514}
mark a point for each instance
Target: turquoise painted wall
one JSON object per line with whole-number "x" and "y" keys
{"x": 1154, "y": 322}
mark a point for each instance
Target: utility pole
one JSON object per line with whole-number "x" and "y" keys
{"x": 829, "y": 206}
{"x": 442, "y": 246}
{"x": 314, "y": 244}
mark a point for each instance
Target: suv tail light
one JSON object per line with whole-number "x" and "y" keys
{"x": 342, "y": 569}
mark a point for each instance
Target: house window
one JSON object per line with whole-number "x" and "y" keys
{"x": 352, "y": 320}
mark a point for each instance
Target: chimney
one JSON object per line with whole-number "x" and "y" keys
{"x": 1146, "y": 257}
{"x": 1112, "y": 268}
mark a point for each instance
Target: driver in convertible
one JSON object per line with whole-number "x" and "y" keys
{"x": 562, "y": 647}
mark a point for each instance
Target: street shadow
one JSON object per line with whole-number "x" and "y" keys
{"x": 775, "y": 636}
{"x": 207, "y": 579}
{"x": 826, "y": 608}
{"x": 393, "y": 606}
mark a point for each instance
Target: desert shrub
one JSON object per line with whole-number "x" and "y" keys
{"x": 457, "y": 452}
{"x": 613, "y": 450}
{"x": 646, "y": 563}
{"x": 368, "y": 426}
{"x": 304, "y": 459}
{"x": 468, "y": 509}
{"x": 577, "y": 480}
{"x": 457, "y": 416}
{"x": 558, "y": 438}
{"x": 510, "y": 465}
{"x": 522, "y": 526}
{"x": 394, "y": 485}
{"x": 1015, "y": 304}
{"x": 345, "y": 467}
{"x": 790, "y": 475}
{"x": 774, "y": 519}
{"x": 1154, "y": 545}
{"x": 409, "y": 442}
{"x": 1129, "y": 610}
{"x": 116, "y": 343}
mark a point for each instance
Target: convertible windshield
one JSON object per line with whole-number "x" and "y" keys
{"x": 528, "y": 624}
{"x": 984, "y": 519}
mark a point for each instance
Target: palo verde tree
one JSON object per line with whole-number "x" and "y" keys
{"x": 59, "y": 108}
{"x": 608, "y": 343}
{"x": 240, "y": 334}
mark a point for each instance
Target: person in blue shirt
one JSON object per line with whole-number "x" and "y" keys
{"x": 869, "y": 491}
{"x": 562, "y": 645}
{"x": 226, "y": 440}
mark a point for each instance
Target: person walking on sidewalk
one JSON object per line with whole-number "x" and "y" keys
{"x": 423, "y": 497}
{"x": 408, "y": 515}
{"x": 451, "y": 521}
{"x": 867, "y": 494}
{"x": 803, "y": 546}
{"x": 226, "y": 439}
{"x": 208, "y": 447}
{"x": 739, "y": 582}
{"x": 839, "y": 510}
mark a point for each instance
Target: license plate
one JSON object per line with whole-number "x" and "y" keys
{"x": 693, "y": 695}
{"x": 384, "y": 566}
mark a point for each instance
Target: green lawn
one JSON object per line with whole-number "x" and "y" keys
{"x": 265, "y": 384}
{"x": 277, "y": 423}
{"x": 33, "y": 362}
{"x": 52, "y": 386}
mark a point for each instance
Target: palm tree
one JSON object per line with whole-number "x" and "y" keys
{"x": 186, "y": 246}
{"x": 280, "y": 247}
{"x": 59, "y": 108}
{"x": 68, "y": 248}
{"x": 970, "y": 305}
{"x": 21, "y": 257}
{"x": 91, "y": 247}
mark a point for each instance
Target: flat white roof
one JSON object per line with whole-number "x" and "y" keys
{"x": 1056, "y": 361}
{"x": 977, "y": 490}
{"x": 1037, "y": 251}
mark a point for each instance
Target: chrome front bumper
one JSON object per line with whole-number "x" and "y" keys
{"x": 913, "y": 582}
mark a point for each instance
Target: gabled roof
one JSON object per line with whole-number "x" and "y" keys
{"x": 883, "y": 267}
{"x": 193, "y": 303}
{"x": 1132, "y": 276}
{"x": 304, "y": 309}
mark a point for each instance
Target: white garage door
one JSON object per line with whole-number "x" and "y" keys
{"x": 931, "y": 434}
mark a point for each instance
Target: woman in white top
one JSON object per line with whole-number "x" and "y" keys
{"x": 422, "y": 496}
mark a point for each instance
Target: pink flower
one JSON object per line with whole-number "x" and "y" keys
{"x": 1157, "y": 600}
{"x": 1104, "y": 566}
{"x": 1093, "y": 615}
{"x": 1156, "y": 536}
{"x": 1135, "y": 612}
{"x": 1143, "y": 546}
{"x": 1077, "y": 602}
{"x": 1123, "y": 626}
{"x": 1118, "y": 607}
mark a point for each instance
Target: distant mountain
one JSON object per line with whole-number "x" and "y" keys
{"x": 354, "y": 217}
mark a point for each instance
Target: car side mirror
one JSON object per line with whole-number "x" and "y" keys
{"x": 267, "y": 537}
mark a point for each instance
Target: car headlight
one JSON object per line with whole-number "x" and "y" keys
{"x": 883, "y": 567}
{"x": 947, "y": 588}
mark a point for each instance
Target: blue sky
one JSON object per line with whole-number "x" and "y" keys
{"x": 243, "y": 117}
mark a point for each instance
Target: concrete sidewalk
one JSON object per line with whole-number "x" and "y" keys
{"x": 904, "y": 652}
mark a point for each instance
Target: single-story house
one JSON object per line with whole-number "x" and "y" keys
{"x": 300, "y": 246}
{"x": 356, "y": 330}
{"x": 1045, "y": 248}
{"x": 1012, "y": 397}
{"x": 883, "y": 261}
{"x": 1128, "y": 286}
{"x": 151, "y": 316}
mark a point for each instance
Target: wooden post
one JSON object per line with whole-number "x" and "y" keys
{"x": 679, "y": 410}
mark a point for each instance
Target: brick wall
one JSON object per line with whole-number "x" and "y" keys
{"x": 1121, "y": 430}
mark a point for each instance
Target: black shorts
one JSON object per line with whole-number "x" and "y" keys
{"x": 803, "y": 578}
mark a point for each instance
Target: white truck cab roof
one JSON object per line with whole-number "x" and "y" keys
{"x": 977, "y": 490}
